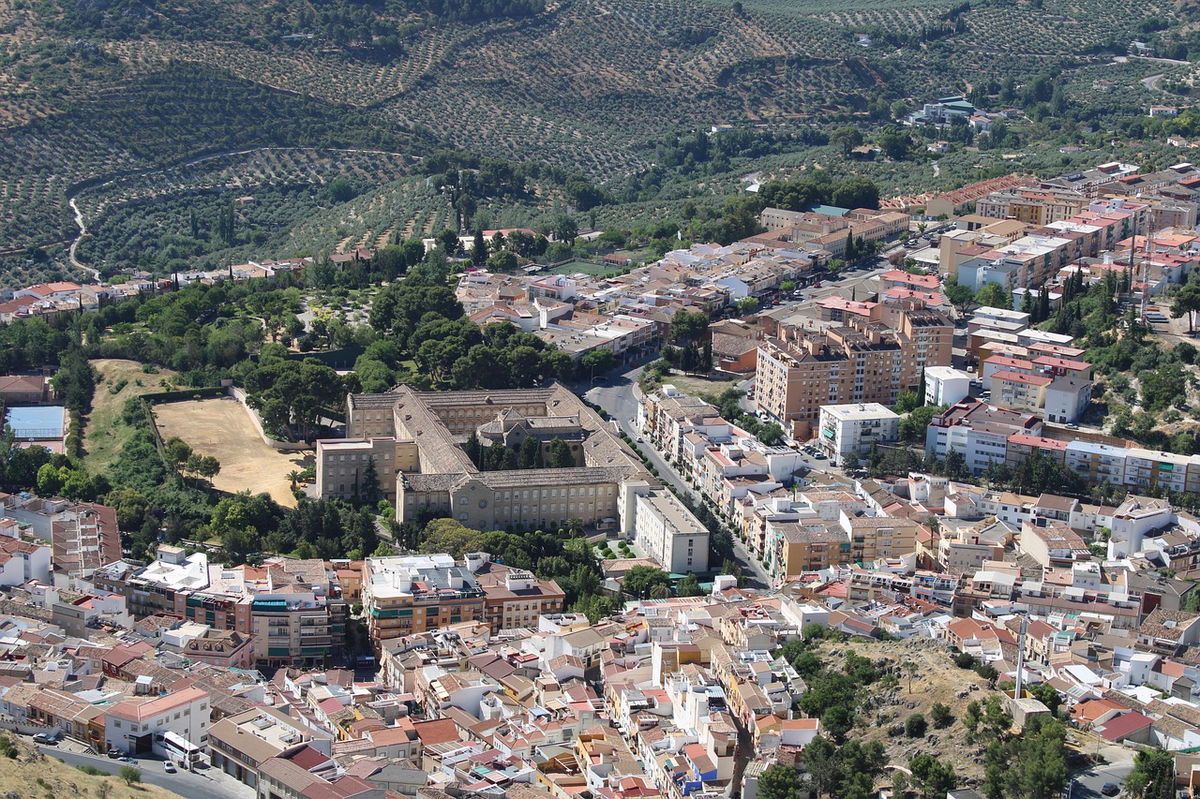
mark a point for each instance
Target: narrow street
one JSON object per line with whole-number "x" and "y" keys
{"x": 616, "y": 397}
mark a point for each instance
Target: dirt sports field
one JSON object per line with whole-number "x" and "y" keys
{"x": 222, "y": 428}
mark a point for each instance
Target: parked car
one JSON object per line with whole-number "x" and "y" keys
{"x": 114, "y": 753}
{"x": 169, "y": 767}
{"x": 49, "y": 739}
{"x": 1110, "y": 789}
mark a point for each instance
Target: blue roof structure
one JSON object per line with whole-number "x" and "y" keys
{"x": 41, "y": 422}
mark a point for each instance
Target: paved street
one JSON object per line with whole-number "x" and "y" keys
{"x": 204, "y": 784}
{"x": 616, "y": 397}
{"x": 1087, "y": 784}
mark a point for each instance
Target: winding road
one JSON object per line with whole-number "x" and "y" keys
{"x": 75, "y": 262}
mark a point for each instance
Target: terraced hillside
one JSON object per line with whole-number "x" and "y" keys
{"x": 114, "y": 101}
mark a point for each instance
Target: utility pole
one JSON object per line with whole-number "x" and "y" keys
{"x": 1021, "y": 657}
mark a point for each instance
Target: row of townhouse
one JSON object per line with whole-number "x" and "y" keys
{"x": 987, "y": 434}
{"x": 50, "y": 299}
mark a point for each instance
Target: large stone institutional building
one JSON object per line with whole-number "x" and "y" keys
{"x": 414, "y": 443}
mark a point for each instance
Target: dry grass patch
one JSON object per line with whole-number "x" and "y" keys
{"x": 119, "y": 381}
{"x": 33, "y": 775}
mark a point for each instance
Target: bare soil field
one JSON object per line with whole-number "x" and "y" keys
{"x": 221, "y": 428}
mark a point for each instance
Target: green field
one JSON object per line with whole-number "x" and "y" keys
{"x": 588, "y": 268}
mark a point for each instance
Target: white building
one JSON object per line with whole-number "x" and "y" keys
{"x": 21, "y": 559}
{"x": 945, "y": 385}
{"x": 138, "y": 725}
{"x": 668, "y": 532}
{"x": 853, "y": 428}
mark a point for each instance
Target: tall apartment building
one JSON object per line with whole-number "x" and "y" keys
{"x": 875, "y": 537}
{"x": 432, "y": 473}
{"x": 83, "y": 535}
{"x": 669, "y": 533}
{"x": 298, "y": 616}
{"x": 292, "y": 610}
{"x": 801, "y": 369}
{"x": 405, "y": 595}
{"x": 1032, "y": 206}
{"x": 808, "y": 545}
{"x": 854, "y": 429}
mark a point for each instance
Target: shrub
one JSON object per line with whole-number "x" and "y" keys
{"x": 914, "y": 726}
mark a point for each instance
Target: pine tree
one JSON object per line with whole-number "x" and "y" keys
{"x": 370, "y": 483}
{"x": 479, "y": 251}
{"x": 527, "y": 457}
{"x": 473, "y": 450}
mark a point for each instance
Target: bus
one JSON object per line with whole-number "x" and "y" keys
{"x": 180, "y": 750}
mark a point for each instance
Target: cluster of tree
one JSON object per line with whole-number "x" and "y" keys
{"x": 317, "y": 529}
{"x": 646, "y": 582}
{"x": 64, "y": 480}
{"x": 19, "y": 466}
{"x": 179, "y": 454}
{"x": 1037, "y": 306}
{"x": 75, "y": 381}
{"x": 690, "y": 349}
{"x": 702, "y": 153}
{"x": 387, "y": 264}
{"x": 565, "y": 557}
{"x": 452, "y": 351}
{"x": 1033, "y": 475}
{"x": 152, "y": 502}
{"x": 807, "y": 192}
{"x": 290, "y": 397}
{"x": 1153, "y": 775}
{"x": 890, "y": 461}
{"x": 29, "y": 344}
{"x": 835, "y": 691}
{"x": 728, "y": 402}
{"x": 847, "y": 771}
{"x": 529, "y": 455}
{"x": 182, "y": 330}
{"x": 1031, "y": 766}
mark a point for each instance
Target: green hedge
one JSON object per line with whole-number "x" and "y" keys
{"x": 186, "y": 394}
